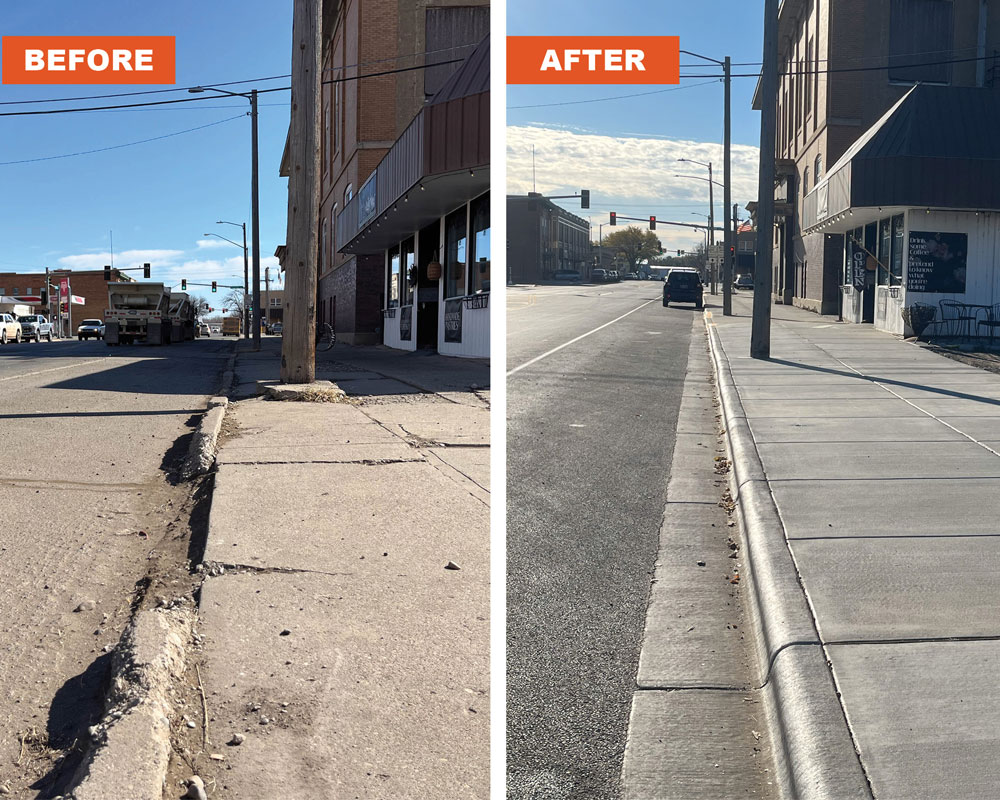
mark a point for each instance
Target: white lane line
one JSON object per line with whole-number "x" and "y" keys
{"x": 53, "y": 369}
{"x": 578, "y": 338}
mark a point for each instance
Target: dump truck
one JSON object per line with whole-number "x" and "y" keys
{"x": 137, "y": 312}
{"x": 232, "y": 326}
{"x": 181, "y": 317}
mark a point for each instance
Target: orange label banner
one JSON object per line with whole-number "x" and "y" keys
{"x": 88, "y": 59}
{"x": 593, "y": 59}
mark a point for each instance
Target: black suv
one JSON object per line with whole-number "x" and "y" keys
{"x": 683, "y": 286}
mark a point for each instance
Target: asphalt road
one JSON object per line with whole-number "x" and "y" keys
{"x": 590, "y": 438}
{"x": 88, "y": 435}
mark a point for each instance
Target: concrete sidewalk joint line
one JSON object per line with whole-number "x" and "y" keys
{"x": 816, "y": 753}
{"x": 215, "y": 569}
{"x": 881, "y": 383}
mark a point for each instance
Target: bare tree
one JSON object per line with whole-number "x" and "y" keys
{"x": 234, "y": 303}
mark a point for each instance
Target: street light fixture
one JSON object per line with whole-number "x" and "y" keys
{"x": 254, "y": 196}
{"x": 246, "y": 279}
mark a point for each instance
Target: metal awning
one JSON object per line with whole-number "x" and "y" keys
{"x": 935, "y": 148}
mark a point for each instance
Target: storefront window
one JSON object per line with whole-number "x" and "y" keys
{"x": 409, "y": 274}
{"x": 454, "y": 245}
{"x": 884, "y": 251}
{"x": 896, "y": 274}
{"x": 393, "y": 278}
{"x": 480, "y": 261}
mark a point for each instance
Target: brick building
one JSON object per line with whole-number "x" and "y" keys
{"x": 88, "y": 284}
{"x": 823, "y": 109}
{"x": 544, "y": 237}
{"x": 362, "y": 117}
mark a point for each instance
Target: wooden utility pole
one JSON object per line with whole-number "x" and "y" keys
{"x": 298, "y": 343}
{"x": 760, "y": 329}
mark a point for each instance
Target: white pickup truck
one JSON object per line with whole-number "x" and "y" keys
{"x": 36, "y": 327}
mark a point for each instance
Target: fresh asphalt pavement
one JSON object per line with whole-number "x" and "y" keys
{"x": 591, "y": 429}
{"x": 88, "y": 437}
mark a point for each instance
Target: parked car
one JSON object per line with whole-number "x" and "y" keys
{"x": 744, "y": 282}
{"x": 613, "y": 276}
{"x": 566, "y": 275}
{"x": 683, "y": 286}
{"x": 35, "y": 327}
{"x": 277, "y": 328}
{"x": 599, "y": 275}
{"x": 633, "y": 276}
{"x": 10, "y": 329}
{"x": 90, "y": 329}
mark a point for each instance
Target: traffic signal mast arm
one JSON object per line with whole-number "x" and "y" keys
{"x": 657, "y": 221}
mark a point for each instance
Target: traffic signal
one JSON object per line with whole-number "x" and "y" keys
{"x": 184, "y": 284}
{"x": 585, "y": 198}
{"x": 652, "y": 223}
{"x": 145, "y": 271}
{"x": 63, "y": 307}
{"x": 614, "y": 218}
{"x": 214, "y": 289}
{"x": 107, "y": 274}
{"x": 45, "y": 296}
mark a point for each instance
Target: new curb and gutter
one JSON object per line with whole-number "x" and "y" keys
{"x": 814, "y": 752}
{"x": 130, "y": 747}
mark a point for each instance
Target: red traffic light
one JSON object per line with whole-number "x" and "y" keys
{"x": 614, "y": 218}
{"x": 652, "y": 223}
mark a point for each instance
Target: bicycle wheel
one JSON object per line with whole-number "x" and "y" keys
{"x": 325, "y": 338}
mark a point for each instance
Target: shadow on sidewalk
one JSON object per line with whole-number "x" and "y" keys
{"x": 424, "y": 370}
{"x": 950, "y": 393}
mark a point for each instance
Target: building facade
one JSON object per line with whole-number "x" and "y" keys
{"x": 543, "y": 238}
{"x": 422, "y": 220}
{"x": 843, "y": 64}
{"x": 368, "y": 102}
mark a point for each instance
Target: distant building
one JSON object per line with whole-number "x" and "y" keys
{"x": 88, "y": 284}
{"x": 746, "y": 250}
{"x": 542, "y": 238}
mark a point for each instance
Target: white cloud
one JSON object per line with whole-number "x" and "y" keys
{"x": 206, "y": 243}
{"x": 123, "y": 260}
{"x": 634, "y": 172}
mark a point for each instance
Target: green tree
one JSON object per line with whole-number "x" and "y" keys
{"x": 634, "y": 245}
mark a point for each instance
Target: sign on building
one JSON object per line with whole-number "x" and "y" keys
{"x": 367, "y": 200}
{"x": 937, "y": 262}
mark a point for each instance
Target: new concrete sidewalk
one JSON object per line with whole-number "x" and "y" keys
{"x": 339, "y": 638}
{"x": 868, "y": 475}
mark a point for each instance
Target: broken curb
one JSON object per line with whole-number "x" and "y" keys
{"x": 130, "y": 746}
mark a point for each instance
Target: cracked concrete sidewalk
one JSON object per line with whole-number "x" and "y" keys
{"x": 338, "y": 638}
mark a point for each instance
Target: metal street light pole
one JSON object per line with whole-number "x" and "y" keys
{"x": 246, "y": 275}
{"x": 711, "y": 208}
{"x": 254, "y": 200}
{"x": 727, "y": 242}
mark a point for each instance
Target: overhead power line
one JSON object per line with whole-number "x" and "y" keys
{"x": 119, "y": 146}
{"x": 234, "y": 83}
{"x": 716, "y": 78}
{"x": 615, "y": 97}
{"x": 215, "y": 97}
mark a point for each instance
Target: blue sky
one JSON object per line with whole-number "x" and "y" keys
{"x": 625, "y": 150}
{"x": 158, "y": 198}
